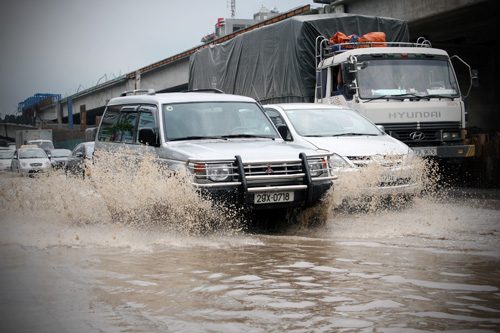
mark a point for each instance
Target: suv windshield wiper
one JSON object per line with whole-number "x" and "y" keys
{"x": 231, "y": 136}
{"x": 196, "y": 138}
{"x": 354, "y": 134}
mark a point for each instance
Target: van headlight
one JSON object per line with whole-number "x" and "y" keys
{"x": 338, "y": 162}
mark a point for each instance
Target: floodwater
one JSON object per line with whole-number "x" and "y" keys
{"x": 80, "y": 257}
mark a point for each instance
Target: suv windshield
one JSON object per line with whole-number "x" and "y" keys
{"x": 403, "y": 77}
{"x": 216, "y": 120}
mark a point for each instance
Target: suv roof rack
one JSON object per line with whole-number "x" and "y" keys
{"x": 214, "y": 90}
{"x": 148, "y": 91}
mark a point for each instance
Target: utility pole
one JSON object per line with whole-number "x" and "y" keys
{"x": 233, "y": 8}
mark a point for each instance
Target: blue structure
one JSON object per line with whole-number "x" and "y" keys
{"x": 36, "y": 99}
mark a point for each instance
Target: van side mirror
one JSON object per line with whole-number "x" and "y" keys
{"x": 147, "y": 136}
{"x": 284, "y": 132}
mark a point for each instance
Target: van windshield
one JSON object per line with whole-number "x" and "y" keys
{"x": 402, "y": 77}
{"x": 45, "y": 145}
{"x": 216, "y": 120}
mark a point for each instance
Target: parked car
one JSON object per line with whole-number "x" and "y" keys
{"x": 59, "y": 157}
{"x": 79, "y": 160}
{"x": 226, "y": 143}
{"x": 30, "y": 161}
{"x": 357, "y": 141}
{"x": 6, "y": 159}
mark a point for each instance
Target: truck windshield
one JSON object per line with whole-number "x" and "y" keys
{"x": 210, "y": 120}
{"x": 400, "y": 77}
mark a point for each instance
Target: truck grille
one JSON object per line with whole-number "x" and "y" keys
{"x": 416, "y": 134}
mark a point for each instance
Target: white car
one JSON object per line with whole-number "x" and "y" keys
{"x": 6, "y": 159}
{"x": 30, "y": 161}
{"x": 356, "y": 140}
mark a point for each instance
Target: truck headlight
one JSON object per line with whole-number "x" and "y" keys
{"x": 337, "y": 162}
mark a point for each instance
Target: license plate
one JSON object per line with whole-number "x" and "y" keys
{"x": 388, "y": 178}
{"x": 274, "y": 197}
{"x": 425, "y": 151}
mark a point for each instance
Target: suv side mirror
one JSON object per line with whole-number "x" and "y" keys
{"x": 147, "y": 136}
{"x": 284, "y": 132}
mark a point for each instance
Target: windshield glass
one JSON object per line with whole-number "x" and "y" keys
{"x": 43, "y": 144}
{"x": 330, "y": 122}
{"x": 32, "y": 153}
{"x": 60, "y": 153}
{"x": 6, "y": 154}
{"x": 215, "y": 120}
{"x": 394, "y": 77}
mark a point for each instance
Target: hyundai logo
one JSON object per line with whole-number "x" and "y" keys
{"x": 417, "y": 136}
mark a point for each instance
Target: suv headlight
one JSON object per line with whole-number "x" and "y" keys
{"x": 216, "y": 172}
{"x": 338, "y": 162}
{"x": 219, "y": 172}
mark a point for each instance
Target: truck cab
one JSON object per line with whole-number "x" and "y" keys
{"x": 409, "y": 89}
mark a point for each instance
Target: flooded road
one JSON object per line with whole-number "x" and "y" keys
{"x": 433, "y": 265}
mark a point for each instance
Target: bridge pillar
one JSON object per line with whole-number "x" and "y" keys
{"x": 70, "y": 113}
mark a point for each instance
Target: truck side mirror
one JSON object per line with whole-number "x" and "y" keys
{"x": 349, "y": 72}
{"x": 475, "y": 78}
{"x": 350, "y": 89}
{"x": 147, "y": 136}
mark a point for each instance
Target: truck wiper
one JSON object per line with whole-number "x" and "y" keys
{"x": 232, "y": 136}
{"x": 396, "y": 97}
{"x": 418, "y": 97}
{"x": 440, "y": 96}
{"x": 196, "y": 138}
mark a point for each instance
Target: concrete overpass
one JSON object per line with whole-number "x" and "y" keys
{"x": 467, "y": 28}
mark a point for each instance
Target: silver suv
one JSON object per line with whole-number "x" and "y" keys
{"x": 227, "y": 143}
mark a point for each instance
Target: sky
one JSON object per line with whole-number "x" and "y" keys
{"x": 66, "y": 46}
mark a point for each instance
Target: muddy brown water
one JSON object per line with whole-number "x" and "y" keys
{"x": 67, "y": 266}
